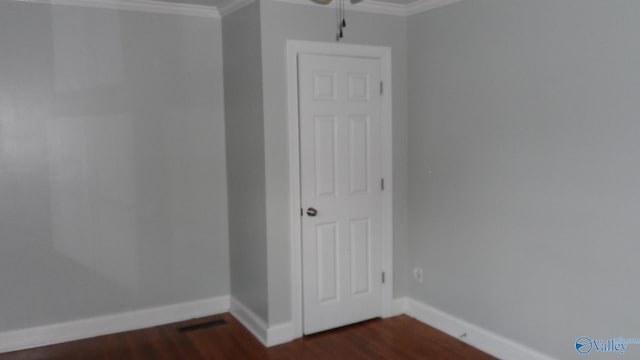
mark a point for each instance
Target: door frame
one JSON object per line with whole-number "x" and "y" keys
{"x": 383, "y": 54}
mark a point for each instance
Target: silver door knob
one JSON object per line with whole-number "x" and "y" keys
{"x": 312, "y": 212}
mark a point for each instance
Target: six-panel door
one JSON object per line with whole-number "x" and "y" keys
{"x": 340, "y": 147}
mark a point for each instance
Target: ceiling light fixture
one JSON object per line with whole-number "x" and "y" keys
{"x": 340, "y": 17}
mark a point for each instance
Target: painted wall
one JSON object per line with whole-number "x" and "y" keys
{"x": 245, "y": 157}
{"x": 282, "y": 21}
{"x": 112, "y": 162}
{"x": 523, "y": 167}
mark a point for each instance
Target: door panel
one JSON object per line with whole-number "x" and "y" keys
{"x": 327, "y": 252}
{"x": 360, "y": 257}
{"x": 340, "y": 147}
{"x": 325, "y": 151}
{"x": 359, "y": 154}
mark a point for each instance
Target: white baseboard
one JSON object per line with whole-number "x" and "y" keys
{"x": 476, "y": 336}
{"x": 254, "y": 323}
{"x": 398, "y": 306}
{"x": 109, "y": 324}
{"x": 267, "y": 335}
{"x": 280, "y": 334}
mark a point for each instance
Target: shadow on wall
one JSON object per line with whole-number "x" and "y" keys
{"x": 106, "y": 146}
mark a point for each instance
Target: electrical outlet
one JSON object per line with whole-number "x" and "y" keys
{"x": 417, "y": 274}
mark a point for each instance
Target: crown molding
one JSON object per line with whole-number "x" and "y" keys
{"x": 378, "y": 7}
{"x": 233, "y": 6}
{"x": 385, "y": 8}
{"x": 367, "y": 6}
{"x": 148, "y": 6}
{"x": 165, "y": 7}
{"x": 426, "y": 5}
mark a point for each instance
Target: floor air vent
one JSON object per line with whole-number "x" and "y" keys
{"x": 203, "y": 325}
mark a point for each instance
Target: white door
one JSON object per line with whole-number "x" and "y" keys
{"x": 341, "y": 170}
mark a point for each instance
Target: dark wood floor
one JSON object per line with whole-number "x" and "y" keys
{"x": 396, "y": 338}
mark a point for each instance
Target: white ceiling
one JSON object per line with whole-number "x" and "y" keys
{"x": 222, "y": 3}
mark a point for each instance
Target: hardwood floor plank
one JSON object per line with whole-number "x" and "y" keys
{"x": 400, "y": 337}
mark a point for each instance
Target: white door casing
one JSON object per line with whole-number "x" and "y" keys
{"x": 296, "y": 49}
{"x": 341, "y": 172}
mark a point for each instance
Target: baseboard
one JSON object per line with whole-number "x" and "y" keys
{"x": 398, "y": 306}
{"x": 267, "y": 335}
{"x": 254, "y": 323}
{"x": 280, "y": 334}
{"x": 476, "y": 336}
{"x": 109, "y": 324}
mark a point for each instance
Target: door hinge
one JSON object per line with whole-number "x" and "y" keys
{"x": 383, "y": 277}
{"x": 382, "y": 184}
{"x": 301, "y": 212}
{"x": 381, "y": 88}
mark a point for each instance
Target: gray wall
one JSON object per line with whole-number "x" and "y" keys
{"x": 245, "y": 157}
{"x": 112, "y": 158}
{"x": 281, "y": 21}
{"x": 523, "y": 167}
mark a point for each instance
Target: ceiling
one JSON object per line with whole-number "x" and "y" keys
{"x": 222, "y": 3}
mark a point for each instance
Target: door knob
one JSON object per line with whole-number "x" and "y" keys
{"x": 312, "y": 212}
